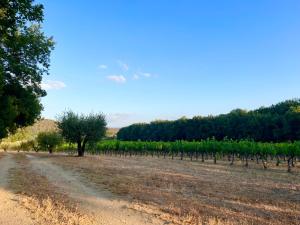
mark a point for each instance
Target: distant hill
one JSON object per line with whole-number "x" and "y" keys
{"x": 30, "y": 132}
{"x": 112, "y": 132}
{"x": 44, "y": 125}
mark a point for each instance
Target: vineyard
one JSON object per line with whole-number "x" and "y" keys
{"x": 229, "y": 150}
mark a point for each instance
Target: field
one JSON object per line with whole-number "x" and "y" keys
{"x": 144, "y": 190}
{"x": 149, "y": 113}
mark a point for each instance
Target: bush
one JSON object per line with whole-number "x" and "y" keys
{"x": 49, "y": 141}
{"x": 4, "y": 146}
{"x": 28, "y": 145}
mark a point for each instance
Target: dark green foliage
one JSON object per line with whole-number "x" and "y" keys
{"x": 280, "y": 122}
{"x": 82, "y": 129}
{"x": 24, "y": 59}
{"x": 49, "y": 140}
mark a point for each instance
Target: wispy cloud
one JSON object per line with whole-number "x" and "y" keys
{"x": 133, "y": 74}
{"x": 136, "y": 77}
{"x": 102, "y": 66}
{"x": 53, "y": 85}
{"x": 124, "y": 66}
{"x": 140, "y": 75}
{"x": 146, "y": 75}
{"x": 117, "y": 78}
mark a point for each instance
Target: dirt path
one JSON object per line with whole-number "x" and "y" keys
{"x": 11, "y": 213}
{"x": 104, "y": 207}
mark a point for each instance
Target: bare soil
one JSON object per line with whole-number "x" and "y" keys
{"x": 35, "y": 191}
{"x": 185, "y": 192}
{"x": 38, "y": 188}
{"x": 11, "y": 213}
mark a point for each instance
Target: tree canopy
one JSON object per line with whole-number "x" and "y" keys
{"x": 24, "y": 59}
{"x": 280, "y": 122}
{"x": 82, "y": 129}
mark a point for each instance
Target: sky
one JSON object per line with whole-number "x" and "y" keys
{"x": 138, "y": 61}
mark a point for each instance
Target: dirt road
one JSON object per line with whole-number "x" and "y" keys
{"x": 100, "y": 206}
{"x": 11, "y": 213}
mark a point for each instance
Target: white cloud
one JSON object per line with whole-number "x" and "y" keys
{"x": 124, "y": 66}
{"x": 102, "y": 66}
{"x": 146, "y": 74}
{"x": 140, "y": 75}
{"x": 117, "y": 78}
{"x": 53, "y": 85}
{"x": 136, "y": 77}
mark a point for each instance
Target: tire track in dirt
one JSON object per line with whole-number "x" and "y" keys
{"x": 11, "y": 213}
{"x": 103, "y": 206}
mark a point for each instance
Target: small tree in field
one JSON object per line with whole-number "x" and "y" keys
{"x": 49, "y": 140}
{"x": 82, "y": 129}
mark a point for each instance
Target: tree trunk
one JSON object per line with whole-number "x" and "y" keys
{"x": 80, "y": 153}
{"x": 289, "y": 164}
{"x": 232, "y": 159}
{"x": 215, "y": 158}
{"x": 80, "y": 149}
{"x": 246, "y": 157}
{"x": 50, "y": 150}
{"x": 229, "y": 157}
{"x": 264, "y": 161}
{"x": 277, "y": 160}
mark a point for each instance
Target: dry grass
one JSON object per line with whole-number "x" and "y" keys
{"x": 112, "y": 132}
{"x": 46, "y": 205}
{"x": 196, "y": 193}
{"x": 52, "y": 212}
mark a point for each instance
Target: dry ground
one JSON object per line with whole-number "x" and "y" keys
{"x": 61, "y": 189}
{"x": 195, "y": 192}
{"x": 35, "y": 191}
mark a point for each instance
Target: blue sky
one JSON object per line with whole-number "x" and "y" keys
{"x": 142, "y": 60}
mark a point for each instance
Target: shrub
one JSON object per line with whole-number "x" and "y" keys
{"x": 49, "y": 141}
{"x": 4, "y": 146}
{"x": 28, "y": 145}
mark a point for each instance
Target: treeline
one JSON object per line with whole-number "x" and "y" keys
{"x": 277, "y": 123}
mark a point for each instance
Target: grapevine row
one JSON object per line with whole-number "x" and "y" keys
{"x": 206, "y": 149}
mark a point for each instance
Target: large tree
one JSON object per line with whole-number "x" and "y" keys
{"x": 82, "y": 129}
{"x": 24, "y": 59}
